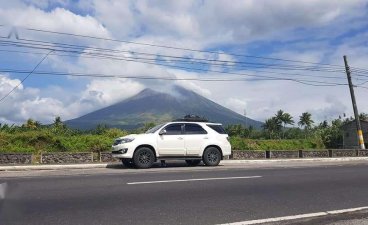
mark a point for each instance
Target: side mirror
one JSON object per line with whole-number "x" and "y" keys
{"x": 163, "y": 131}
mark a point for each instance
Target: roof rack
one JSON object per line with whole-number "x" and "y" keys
{"x": 191, "y": 118}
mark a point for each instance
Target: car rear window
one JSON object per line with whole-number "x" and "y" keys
{"x": 194, "y": 129}
{"x": 218, "y": 128}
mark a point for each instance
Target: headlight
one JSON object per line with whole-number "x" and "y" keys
{"x": 127, "y": 140}
{"x": 123, "y": 140}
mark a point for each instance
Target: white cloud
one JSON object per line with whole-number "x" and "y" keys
{"x": 58, "y": 19}
{"x": 237, "y": 105}
{"x": 189, "y": 24}
{"x": 25, "y": 103}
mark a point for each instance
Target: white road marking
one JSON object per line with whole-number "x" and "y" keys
{"x": 301, "y": 216}
{"x": 3, "y": 187}
{"x": 199, "y": 179}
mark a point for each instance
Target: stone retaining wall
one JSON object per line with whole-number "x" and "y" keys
{"x": 362, "y": 152}
{"x": 283, "y": 154}
{"x": 65, "y": 158}
{"x": 107, "y": 157}
{"x": 15, "y": 158}
{"x": 238, "y": 154}
{"x": 315, "y": 154}
{"x": 87, "y": 157}
{"x": 343, "y": 153}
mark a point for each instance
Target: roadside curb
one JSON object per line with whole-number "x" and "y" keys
{"x": 244, "y": 161}
{"x": 52, "y": 167}
{"x": 224, "y": 162}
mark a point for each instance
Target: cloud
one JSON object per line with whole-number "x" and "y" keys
{"x": 25, "y": 103}
{"x": 308, "y": 30}
{"x": 213, "y": 22}
{"x": 58, "y": 19}
{"x": 237, "y": 105}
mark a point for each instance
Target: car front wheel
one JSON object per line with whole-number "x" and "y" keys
{"x": 212, "y": 156}
{"x": 143, "y": 158}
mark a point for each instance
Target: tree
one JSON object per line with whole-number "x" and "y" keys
{"x": 305, "y": 120}
{"x": 30, "y": 124}
{"x": 58, "y": 122}
{"x": 363, "y": 116}
{"x": 284, "y": 118}
{"x": 272, "y": 125}
{"x": 37, "y": 124}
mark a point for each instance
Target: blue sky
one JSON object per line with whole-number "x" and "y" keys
{"x": 305, "y": 30}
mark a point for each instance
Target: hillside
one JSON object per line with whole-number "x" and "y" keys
{"x": 153, "y": 106}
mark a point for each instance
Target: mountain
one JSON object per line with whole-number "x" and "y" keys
{"x": 152, "y": 106}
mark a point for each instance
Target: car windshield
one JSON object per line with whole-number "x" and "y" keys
{"x": 154, "y": 129}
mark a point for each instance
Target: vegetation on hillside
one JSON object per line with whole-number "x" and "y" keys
{"x": 276, "y": 134}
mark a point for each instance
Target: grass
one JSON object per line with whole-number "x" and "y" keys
{"x": 47, "y": 140}
{"x": 64, "y": 140}
{"x": 238, "y": 143}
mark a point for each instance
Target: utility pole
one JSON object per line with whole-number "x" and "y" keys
{"x": 355, "y": 108}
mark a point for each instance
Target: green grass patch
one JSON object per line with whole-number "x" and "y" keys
{"x": 239, "y": 143}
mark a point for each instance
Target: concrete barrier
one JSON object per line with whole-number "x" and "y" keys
{"x": 15, "y": 158}
{"x": 66, "y": 157}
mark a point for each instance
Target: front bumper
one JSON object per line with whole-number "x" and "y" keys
{"x": 122, "y": 150}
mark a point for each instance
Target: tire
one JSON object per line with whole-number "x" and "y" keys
{"x": 143, "y": 158}
{"x": 128, "y": 163}
{"x": 193, "y": 162}
{"x": 212, "y": 156}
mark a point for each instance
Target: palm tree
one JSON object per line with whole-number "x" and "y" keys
{"x": 284, "y": 118}
{"x": 305, "y": 120}
{"x": 58, "y": 122}
{"x": 30, "y": 124}
{"x": 272, "y": 125}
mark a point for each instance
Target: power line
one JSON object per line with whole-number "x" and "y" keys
{"x": 46, "y": 45}
{"x": 176, "y": 48}
{"x": 179, "y": 48}
{"x": 205, "y": 70}
{"x": 99, "y": 75}
{"x": 113, "y": 58}
{"x": 208, "y": 70}
{"x": 21, "y": 82}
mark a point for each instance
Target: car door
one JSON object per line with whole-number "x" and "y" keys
{"x": 194, "y": 136}
{"x": 171, "y": 141}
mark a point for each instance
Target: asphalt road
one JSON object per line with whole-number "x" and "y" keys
{"x": 182, "y": 196}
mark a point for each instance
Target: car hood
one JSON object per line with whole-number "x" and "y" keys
{"x": 135, "y": 136}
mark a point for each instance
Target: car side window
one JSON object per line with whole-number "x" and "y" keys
{"x": 173, "y": 129}
{"x": 191, "y": 128}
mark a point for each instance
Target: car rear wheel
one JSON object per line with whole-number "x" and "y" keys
{"x": 143, "y": 158}
{"x": 212, "y": 156}
{"x": 193, "y": 162}
{"x": 127, "y": 163}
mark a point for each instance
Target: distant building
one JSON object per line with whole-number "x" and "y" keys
{"x": 350, "y": 137}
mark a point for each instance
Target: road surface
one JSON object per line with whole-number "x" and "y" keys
{"x": 183, "y": 195}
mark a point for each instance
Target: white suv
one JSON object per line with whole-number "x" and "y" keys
{"x": 190, "y": 141}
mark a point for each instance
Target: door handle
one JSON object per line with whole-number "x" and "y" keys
{"x": 180, "y": 138}
{"x": 205, "y": 138}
